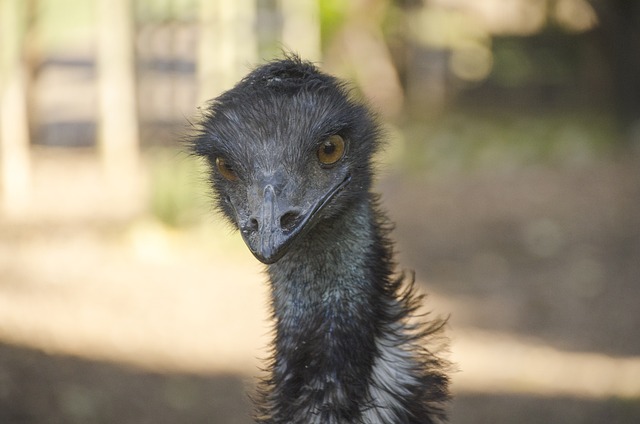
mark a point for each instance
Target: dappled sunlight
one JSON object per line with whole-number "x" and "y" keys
{"x": 138, "y": 296}
{"x": 168, "y": 300}
{"x": 173, "y": 301}
{"x": 498, "y": 363}
{"x": 493, "y": 362}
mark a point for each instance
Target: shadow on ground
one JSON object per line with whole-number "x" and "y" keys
{"x": 490, "y": 408}
{"x": 552, "y": 254}
{"x": 36, "y": 387}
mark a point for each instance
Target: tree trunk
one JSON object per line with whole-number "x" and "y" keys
{"x": 118, "y": 123}
{"x": 15, "y": 177}
{"x": 228, "y": 45}
{"x": 620, "y": 29}
{"x": 301, "y": 28}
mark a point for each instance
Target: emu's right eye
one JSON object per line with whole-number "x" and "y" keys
{"x": 225, "y": 169}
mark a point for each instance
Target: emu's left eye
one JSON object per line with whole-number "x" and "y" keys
{"x": 331, "y": 150}
{"x": 225, "y": 169}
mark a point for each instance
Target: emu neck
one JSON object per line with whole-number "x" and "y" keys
{"x": 329, "y": 296}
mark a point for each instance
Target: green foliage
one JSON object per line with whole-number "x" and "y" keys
{"x": 545, "y": 59}
{"x": 178, "y": 188}
{"x": 332, "y": 14}
{"x": 465, "y": 141}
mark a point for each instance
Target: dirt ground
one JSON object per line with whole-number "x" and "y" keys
{"x": 106, "y": 316}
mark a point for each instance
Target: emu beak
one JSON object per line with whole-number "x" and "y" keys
{"x": 263, "y": 233}
{"x": 276, "y": 222}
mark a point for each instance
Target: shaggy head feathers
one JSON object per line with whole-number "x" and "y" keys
{"x": 273, "y": 121}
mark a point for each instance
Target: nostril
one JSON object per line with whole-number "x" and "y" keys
{"x": 289, "y": 221}
{"x": 252, "y": 225}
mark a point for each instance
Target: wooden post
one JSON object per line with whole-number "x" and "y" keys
{"x": 301, "y": 28}
{"x": 118, "y": 122}
{"x": 15, "y": 168}
{"x": 228, "y": 45}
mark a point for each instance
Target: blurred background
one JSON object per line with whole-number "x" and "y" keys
{"x": 512, "y": 170}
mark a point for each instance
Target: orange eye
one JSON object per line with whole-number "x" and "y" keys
{"x": 225, "y": 169}
{"x": 331, "y": 150}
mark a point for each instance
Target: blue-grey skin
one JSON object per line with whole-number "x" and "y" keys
{"x": 344, "y": 349}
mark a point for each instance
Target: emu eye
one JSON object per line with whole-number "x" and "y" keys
{"x": 331, "y": 150}
{"x": 225, "y": 169}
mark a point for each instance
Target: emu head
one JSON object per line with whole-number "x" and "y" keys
{"x": 288, "y": 149}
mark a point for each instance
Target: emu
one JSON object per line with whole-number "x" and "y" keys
{"x": 290, "y": 152}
